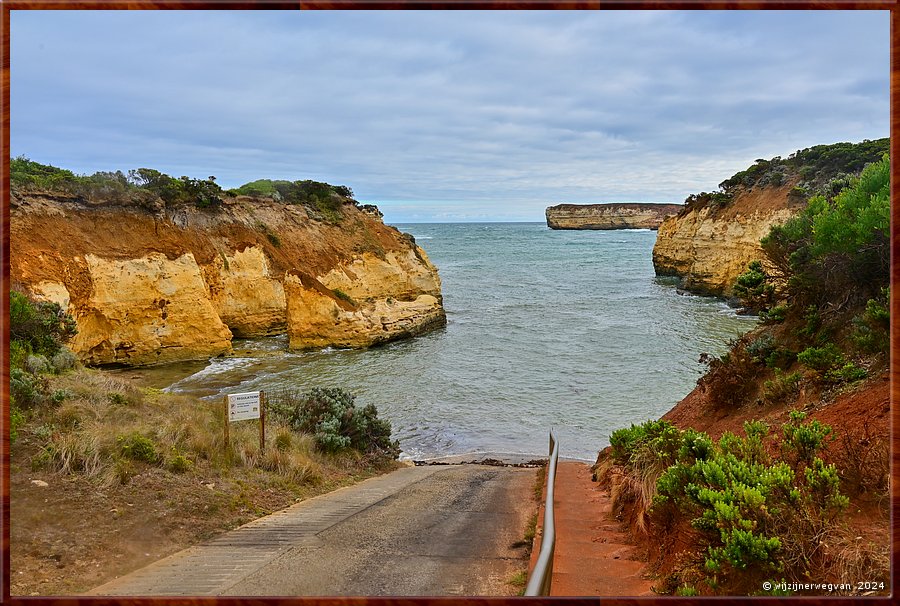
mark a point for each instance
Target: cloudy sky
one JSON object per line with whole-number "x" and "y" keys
{"x": 447, "y": 116}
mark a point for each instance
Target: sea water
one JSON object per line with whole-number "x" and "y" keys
{"x": 564, "y": 329}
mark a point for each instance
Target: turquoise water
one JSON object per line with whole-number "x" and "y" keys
{"x": 569, "y": 329}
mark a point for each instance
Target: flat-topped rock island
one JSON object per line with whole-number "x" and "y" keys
{"x": 617, "y": 215}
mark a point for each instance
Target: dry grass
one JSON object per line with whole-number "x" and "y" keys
{"x": 110, "y": 506}
{"x": 84, "y": 435}
{"x": 633, "y": 490}
{"x": 863, "y": 459}
{"x": 854, "y": 558}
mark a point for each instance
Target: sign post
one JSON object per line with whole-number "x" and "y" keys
{"x": 262, "y": 421}
{"x": 244, "y": 407}
{"x": 227, "y": 420}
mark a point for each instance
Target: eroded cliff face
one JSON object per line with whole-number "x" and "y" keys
{"x": 635, "y": 215}
{"x": 165, "y": 284}
{"x": 709, "y": 246}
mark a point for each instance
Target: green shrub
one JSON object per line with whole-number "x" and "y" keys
{"x": 761, "y": 347}
{"x": 25, "y": 389}
{"x": 331, "y": 416}
{"x": 63, "y": 360}
{"x": 37, "y": 365}
{"x": 780, "y": 358}
{"x": 661, "y": 437}
{"x": 137, "y": 447}
{"x": 178, "y": 463}
{"x": 324, "y": 199}
{"x": 40, "y": 326}
{"x": 754, "y": 289}
{"x": 871, "y": 331}
{"x": 783, "y": 387}
{"x": 283, "y": 440}
{"x": 117, "y": 399}
{"x": 59, "y": 396}
{"x": 25, "y": 172}
{"x": 813, "y": 322}
{"x": 867, "y": 339}
{"x": 261, "y": 188}
{"x": 847, "y": 373}
{"x": 803, "y": 440}
{"x": 757, "y": 517}
{"x": 775, "y": 315}
{"x": 830, "y": 364}
{"x": 340, "y": 294}
{"x": 837, "y": 250}
{"x": 16, "y": 421}
{"x": 818, "y": 166}
{"x": 203, "y": 193}
{"x": 821, "y": 359}
{"x": 878, "y": 310}
{"x": 731, "y": 378}
{"x": 18, "y": 353}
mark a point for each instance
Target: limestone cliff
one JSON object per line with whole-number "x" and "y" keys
{"x": 712, "y": 239}
{"x": 156, "y": 283}
{"x": 709, "y": 246}
{"x": 636, "y": 215}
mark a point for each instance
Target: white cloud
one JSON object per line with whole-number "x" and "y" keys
{"x": 488, "y": 114}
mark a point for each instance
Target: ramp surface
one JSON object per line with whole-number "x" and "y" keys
{"x": 432, "y": 530}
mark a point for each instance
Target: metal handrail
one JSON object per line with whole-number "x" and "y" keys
{"x": 541, "y": 576}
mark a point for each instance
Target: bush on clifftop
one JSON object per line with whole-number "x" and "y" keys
{"x": 821, "y": 170}
{"x": 144, "y": 185}
{"x": 324, "y": 198}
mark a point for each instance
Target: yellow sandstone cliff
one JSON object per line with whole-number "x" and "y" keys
{"x": 153, "y": 285}
{"x": 624, "y": 215}
{"x": 709, "y": 246}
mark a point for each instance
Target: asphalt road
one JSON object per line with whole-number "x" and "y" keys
{"x": 422, "y": 531}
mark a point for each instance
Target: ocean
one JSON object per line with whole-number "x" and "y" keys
{"x": 564, "y": 329}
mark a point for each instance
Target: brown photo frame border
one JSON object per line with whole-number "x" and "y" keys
{"x": 8, "y": 5}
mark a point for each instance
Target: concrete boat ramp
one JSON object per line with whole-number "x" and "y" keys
{"x": 424, "y": 530}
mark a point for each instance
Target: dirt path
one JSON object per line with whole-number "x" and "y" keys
{"x": 440, "y": 530}
{"x": 594, "y": 557}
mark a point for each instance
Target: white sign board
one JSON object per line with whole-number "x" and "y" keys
{"x": 243, "y": 406}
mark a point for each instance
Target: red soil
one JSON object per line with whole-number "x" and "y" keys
{"x": 594, "y": 554}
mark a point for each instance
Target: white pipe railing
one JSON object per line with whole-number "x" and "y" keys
{"x": 542, "y": 575}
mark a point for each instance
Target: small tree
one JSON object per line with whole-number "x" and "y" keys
{"x": 754, "y": 289}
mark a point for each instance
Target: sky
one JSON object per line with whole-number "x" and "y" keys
{"x": 447, "y": 116}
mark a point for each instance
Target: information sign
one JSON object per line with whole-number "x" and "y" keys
{"x": 243, "y": 406}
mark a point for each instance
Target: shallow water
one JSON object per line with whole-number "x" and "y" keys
{"x": 569, "y": 329}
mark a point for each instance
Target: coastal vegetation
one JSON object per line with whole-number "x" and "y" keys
{"x": 817, "y": 170}
{"x": 836, "y": 252}
{"x": 761, "y": 505}
{"x": 98, "y": 434}
{"x": 783, "y": 500}
{"x": 331, "y": 416}
{"x": 150, "y": 187}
